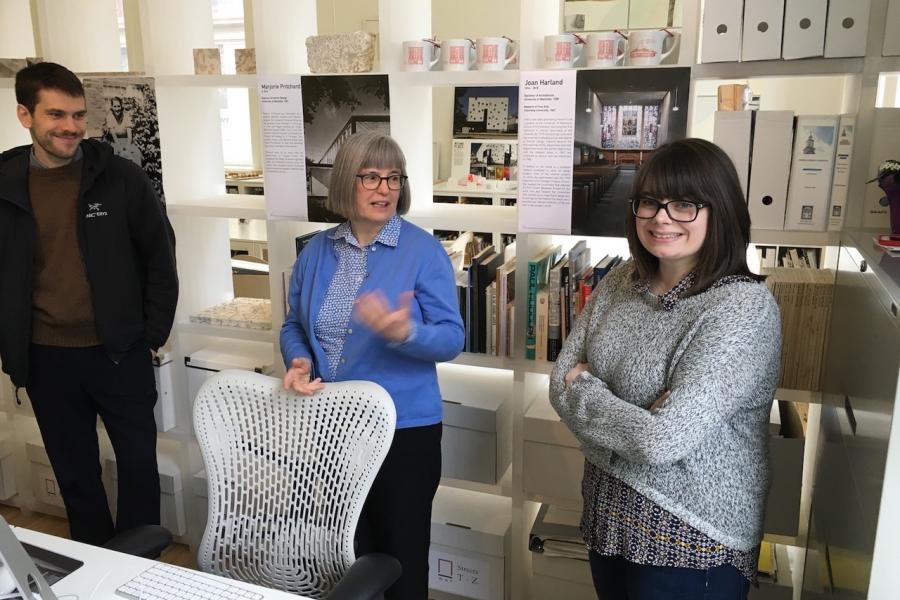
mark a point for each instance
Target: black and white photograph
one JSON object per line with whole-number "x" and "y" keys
{"x": 335, "y": 107}
{"x": 621, "y": 117}
{"x": 485, "y": 111}
{"x": 121, "y": 111}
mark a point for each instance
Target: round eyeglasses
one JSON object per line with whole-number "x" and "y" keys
{"x": 371, "y": 181}
{"x": 683, "y": 211}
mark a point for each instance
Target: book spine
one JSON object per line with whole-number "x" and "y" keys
{"x": 532, "y": 306}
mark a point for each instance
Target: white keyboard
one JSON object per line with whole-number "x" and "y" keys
{"x": 165, "y": 582}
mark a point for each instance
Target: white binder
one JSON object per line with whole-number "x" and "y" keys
{"x": 847, "y": 28}
{"x": 733, "y": 133}
{"x": 842, "y": 158}
{"x": 772, "y": 138}
{"x": 722, "y": 31}
{"x": 809, "y": 190}
{"x": 762, "y": 30}
{"x": 804, "y": 28}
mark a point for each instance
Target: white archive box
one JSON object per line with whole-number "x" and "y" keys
{"x": 892, "y": 25}
{"x": 553, "y": 462}
{"x": 164, "y": 410}
{"x": 171, "y": 492}
{"x": 762, "y": 30}
{"x": 227, "y": 354}
{"x": 7, "y": 469}
{"x": 772, "y": 139}
{"x": 43, "y": 481}
{"x": 559, "y": 558}
{"x": 721, "y": 31}
{"x": 477, "y": 435}
{"x": 470, "y": 545}
{"x": 847, "y": 28}
{"x": 804, "y": 28}
{"x": 733, "y": 132}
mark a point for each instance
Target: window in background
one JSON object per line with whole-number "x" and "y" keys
{"x": 234, "y": 104}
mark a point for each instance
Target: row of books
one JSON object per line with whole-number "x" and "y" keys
{"x": 794, "y": 171}
{"x": 559, "y": 286}
{"x": 804, "y": 297}
{"x": 771, "y": 257}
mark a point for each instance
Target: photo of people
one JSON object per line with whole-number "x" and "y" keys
{"x": 122, "y": 113}
{"x": 621, "y": 117}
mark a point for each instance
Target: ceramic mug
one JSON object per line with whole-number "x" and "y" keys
{"x": 495, "y": 53}
{"x": 562, "y": 51}
{"x": 457, "y": 54}
{"x": 420, "y": 55}
{"x": 646, "y": 46}
{"x": 606, "y": 49}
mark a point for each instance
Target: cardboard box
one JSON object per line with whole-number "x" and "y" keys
{"x": 847, "y": 28}
{"x": 804, "y": 28}
{"x": 734, "y": 134}
{"x": 721, "y": 31}
{"x": 762, "y": 30}
{"x": 43, "y": 481}
{"x": 553, "y": 461}
{"x": 470, "y": 545}
{"x": 477, "y": 441}
{"x": 731, "y": 96}
{"x": 772, "y": 139}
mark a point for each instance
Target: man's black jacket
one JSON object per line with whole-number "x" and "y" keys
{"x": 126, "y": 242}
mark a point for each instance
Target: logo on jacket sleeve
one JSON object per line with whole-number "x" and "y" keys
{"x": 94, "y": 211}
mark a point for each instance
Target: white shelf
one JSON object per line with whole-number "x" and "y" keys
{"x": 237, "y": 333}
{"x": 466, "y": 217}
{"x": 444, "y": 188}
{"x": 779, "y": 68}
{"x": 776, "y": 237}
{"x": 232, "y": 206}
{"x": 433, "y": 78}
{"x": 215, "y": 81}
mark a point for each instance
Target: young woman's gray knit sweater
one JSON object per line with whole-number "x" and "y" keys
{"x": 703, "y": 457}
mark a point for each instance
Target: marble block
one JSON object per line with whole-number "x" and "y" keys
{"x": 245, "y": 61}
{"x": 207, "y": 61}
{"x": 242, "y": 313}
{"x": 341, "y": 52}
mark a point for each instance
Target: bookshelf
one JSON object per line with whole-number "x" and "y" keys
{"x": 200, "y": 209}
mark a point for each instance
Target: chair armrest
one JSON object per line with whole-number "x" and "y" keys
{"x": 147, "y": 541}
{"x": 367, "y": 578}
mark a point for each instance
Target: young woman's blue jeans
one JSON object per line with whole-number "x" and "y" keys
{"x": 618, "y": 579}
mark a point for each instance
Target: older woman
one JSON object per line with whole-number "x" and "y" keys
{"x": 375, "y": 298}
{"x": 667, "y": 380}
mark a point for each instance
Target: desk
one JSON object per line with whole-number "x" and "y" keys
{"x": 105, "y": 570}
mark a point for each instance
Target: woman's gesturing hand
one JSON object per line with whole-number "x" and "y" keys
{"x": 374, "y": 311}
{"x": 297, "y": 378}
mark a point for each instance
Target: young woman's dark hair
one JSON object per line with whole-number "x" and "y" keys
{"x": 45, "y": 76}
{"x": 695, "y": 169}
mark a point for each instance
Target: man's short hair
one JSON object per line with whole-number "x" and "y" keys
{"x": 45, "y": 76}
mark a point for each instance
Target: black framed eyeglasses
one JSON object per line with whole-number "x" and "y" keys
{"x": 683, "y": 211}
{"x": 371, "y": 181}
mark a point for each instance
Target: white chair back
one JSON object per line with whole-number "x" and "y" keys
{"x": 288, "y": 476}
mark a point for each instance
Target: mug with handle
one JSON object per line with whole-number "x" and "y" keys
{"x": 645, "y": 46}
{"x": 495, "y": 53}
{"x": 562, "y": 51}
{"x": 457, "y": 54}
{"x": 421, "y": 55}
{"x": 606, "y": 48}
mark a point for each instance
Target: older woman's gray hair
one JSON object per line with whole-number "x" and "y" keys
{"x": 369, "y": 150}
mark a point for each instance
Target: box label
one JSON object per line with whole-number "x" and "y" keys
{"x": 460, "y": 575}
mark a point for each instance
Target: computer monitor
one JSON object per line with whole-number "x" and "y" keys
{"x": 21, "y": 567}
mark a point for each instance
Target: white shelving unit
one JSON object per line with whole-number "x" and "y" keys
{"x": 200, "y": 209}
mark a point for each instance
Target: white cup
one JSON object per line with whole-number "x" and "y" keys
{"x": 495, "y": 53}
{"x": 457, "y": 54}
{"x": 420, "y": 55}
{"x": 646, "y": 46}
{"x": 605, "y": 49}
{"x": 562, "y": 51}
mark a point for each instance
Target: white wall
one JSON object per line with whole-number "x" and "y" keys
{"x": 18, "y": 41}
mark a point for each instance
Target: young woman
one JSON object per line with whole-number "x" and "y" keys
{"x": 667, "y": 380}
{"x": 375, "y": 298}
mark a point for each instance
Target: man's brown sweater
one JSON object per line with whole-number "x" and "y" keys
{"x": 62, "y": 313}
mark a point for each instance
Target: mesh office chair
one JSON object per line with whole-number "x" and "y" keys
{"x": 288, "y": 476}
